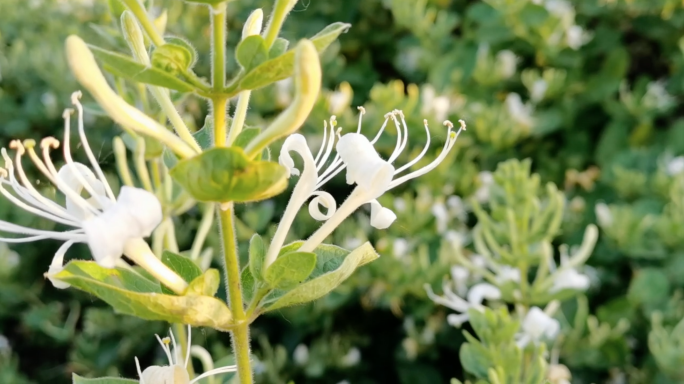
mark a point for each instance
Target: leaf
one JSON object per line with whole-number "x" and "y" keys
{"x": 282, "y": 67}
{"x": 185, "y": 44}
{"x": 134, "y": 295}
{"x": 226, "y": 174}
{"x": 76, "y": 379}
{"x": 257, "y": 253}
{"x": 278, "y": 48}
{"x": 172, "y": 58}
{"x": 126, "y": 67}
{"x": 245, "y": 137}
{"x": 318, "y": 286}
{"x": 183, "y": 266}
{"x": 251, "y": 52}
{"x": 205, "y": 285}
{"x": 290, "y": 269}
{"x": 248, "y": 284}
{"x": 650, "y": 285}
{"x": 474, "y": 361}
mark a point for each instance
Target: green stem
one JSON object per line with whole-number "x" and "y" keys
{"x": 218, "y": 45}
{"x": 280, "y": 11}
{"x": 239, "y": 334}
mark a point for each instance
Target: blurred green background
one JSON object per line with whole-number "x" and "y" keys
{"x": 589, "y": 90}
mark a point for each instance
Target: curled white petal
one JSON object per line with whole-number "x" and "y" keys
{"x": 73, "y": 175}
{"x": 381, "y": 217}
{"x": 57, "y": 265}
{"x": 537, "y": 325}
{"x": 456, "y": 320}
{"x": 569, "y": 278}
{"x": 482, "y": 291}
{"x": 325, "y": 200}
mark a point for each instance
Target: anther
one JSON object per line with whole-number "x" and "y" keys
{"x": 16, "y": 145}
{"x": 3, "y": 173}
{"x": 75, "y": 97}
{"x": 361, "y": 109}
{"x": 333, "y": 120}
{"x": 425, "y": 122}
{"x": 49, "y": 142}
{"x": 29, "y": 144}
{"x": 448, "y": 123}
{"x": 67, "y": 112}
{"x": 463, "y": 124}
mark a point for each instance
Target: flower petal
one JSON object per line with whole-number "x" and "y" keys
{"x": 323, "y": 199}
{"x": 57, "y": 265}
{"x": 143, "y": 207}
{"x": 364, "y": 165}
{"x": 381, "y": 217}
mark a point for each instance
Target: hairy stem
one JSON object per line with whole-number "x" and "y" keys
{"x": 239, "y": 334}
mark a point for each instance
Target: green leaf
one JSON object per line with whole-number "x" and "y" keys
{"x": 226, "y": 174}
{"x": 126, "y": 67}
{"x": 257, "y": 253}
{"x": 251, "y": 52}
{"x": 116, "y": 8}
{"x": 183, "y": 266}
{"x": 290, "y": 269}
{"x": 278, "y": 48}
{"x": 282, "y": 67}
{"x": 185, "y": 44}
{"x": 248, "y": 284}
{"x": 172, "y": 58}
{"x": 318, "y": 286}
{"x": 131, "y": 294}
{"x": 245, "y": 137}
{"x": 205, "y": 285}
{"x": 474, "y": 360}
{"x": 650, "y": 285}
{"x": 76, "y": 379}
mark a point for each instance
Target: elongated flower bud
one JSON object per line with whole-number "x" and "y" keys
{"x": 253, "y": 23}
{"x": 307, "y": 79}
{"x": 134, "y": 37}
{"x": 86, "y": 71}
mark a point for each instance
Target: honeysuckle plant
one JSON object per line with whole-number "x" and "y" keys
{"x": 223, "y": 164}
{"x": 514, "y": 264}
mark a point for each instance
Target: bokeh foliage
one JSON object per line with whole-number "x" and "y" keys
{"x": 599, "y": 117}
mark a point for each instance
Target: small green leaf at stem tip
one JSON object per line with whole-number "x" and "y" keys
{"x": 334, "y": 265}
{"x": 282, "y": 67}
{"x": 130, "y": 294}
{"x": 126, "y": 67}
{"x": 76, "y": 379}
{"x": 257, "y": 254}
{"x": 185, "y": 44}
{"x": 251, "y": 52}
{"x": 172, "y": 58}
{"x": 290, "y": 269}
{"x": 226, "y": 174}
{"x": 205, "y": 285}
{"x": 248, "y": 284}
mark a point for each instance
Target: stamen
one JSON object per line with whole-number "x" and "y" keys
{"x": 29, "y": 193}
{"x": 397, "y": 147}
{"x": 69, "y": 160}
{"x": 377, "y": 137}
{"x": 175, "y": 348}
{"x": 137, "y": 366}
{"x": 30, "y": 145}
{"x": 84, "y": 140}
{"x": 187, "y": 354}
{"x": 165, "y": 346}
{"x": 329, "y": 145}
{"x": 217, "y": 371}
{"x": 362, "y": 111}
{"x": 325, "y": 139}
{"x": 422, "y": 153}
{"x": 403, "y": 123}
{"x": 37, "y": 234}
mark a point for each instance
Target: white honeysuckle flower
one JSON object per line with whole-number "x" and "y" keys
{"x": 352, "y": 358}
{"x": 339, "y": 100}
{"x": 603, "y": 215}
{"x": 439, "y": 210}
{"x": 457, "y": 208}
{"x": 176, "y": 372}
{"x": 675, "y": 166}
{"x": 506, "y": 62}
{"x": 507, "y": 273}
{"x": 476, "y": 295}
{"x": 301, "y": 354}
{"x": 372, "y": 175}
{"x": 657, "y": 97}
{"x": 111, "y": 227}
{"x": 459, "y": 277}
{"x": 456, "y": 238}
{"x": 537, "y": 326}
{"x": 569, "y": 278}
{"x": 486, "y": 181}
{"x": 576, "y": 37}
{"x": 400, "y": 247}
{"x": 538, "y": 90}
{"x": 520, "y": 112}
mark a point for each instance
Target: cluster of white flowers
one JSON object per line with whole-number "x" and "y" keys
{"x": 571, "y": 34}
{"x": 364, "y": 167}
{"x": 110, "y": 226}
